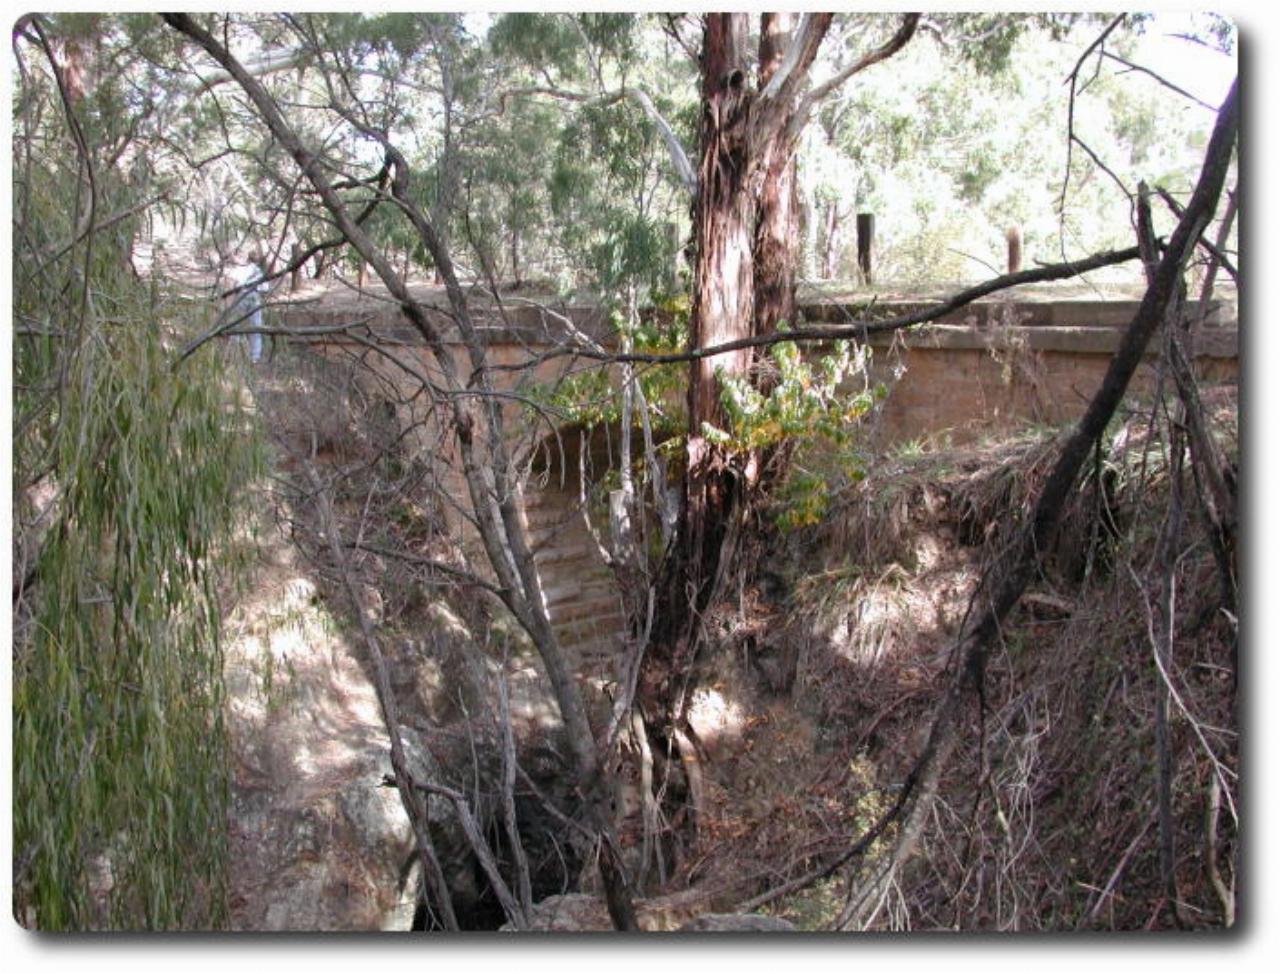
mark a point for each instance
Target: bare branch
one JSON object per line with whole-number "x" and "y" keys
{"x": 1073, "y": 79}
{"x": 886, "y": 50}
{"x": 800, "y": 54}
{"x": 1162, "y": 80}
{"x": 679, "y": 158}
{"x": 456, "y": 575}
{"x": 477, "y": 429}
{"x": 1214, "y": 250}
{"x": 269, "y": 63}
{"x": 483, "y": 853}
{"x": 409, "y": 796}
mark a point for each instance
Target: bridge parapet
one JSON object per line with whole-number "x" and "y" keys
{"x": 516, "y": 321}
{"x": 988, "y": 365}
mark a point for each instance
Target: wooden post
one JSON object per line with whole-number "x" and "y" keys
{"x": 1013, "y": 237}
{"x": 866, "y": 244}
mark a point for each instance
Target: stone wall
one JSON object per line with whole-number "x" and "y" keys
{"x": 964, "y": 381}
{"x": 989, "y": 366}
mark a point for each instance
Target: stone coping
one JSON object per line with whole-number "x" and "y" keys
{"x": 1079, "y": 327}
{"x": 1220, "y": 342}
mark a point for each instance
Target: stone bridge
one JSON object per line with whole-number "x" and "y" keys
{"x": 989, "y": 367}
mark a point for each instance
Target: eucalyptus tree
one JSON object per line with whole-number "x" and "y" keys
{"x": 745, "y": 222}
{"x": 950, "y": 159}
{"x": 742, "y": 197}
{"x": 504, "y": 176}
{"x": 615, "y": 104}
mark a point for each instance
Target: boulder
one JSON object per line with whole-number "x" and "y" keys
{"x": 336, "y": 852}
{"x": 575, "y": 912}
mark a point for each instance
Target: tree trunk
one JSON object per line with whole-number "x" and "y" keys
{"x": 744, "y": 227}
{"x": 1013, "y": 244}
{"x": 866, "y": 226}
{"x": 724, "y": 291}
{"x": 723, "y": 308}
{"x": 777, "y": 237}
{"x": 515, "y": 261}
{"x": 829, "y": 249}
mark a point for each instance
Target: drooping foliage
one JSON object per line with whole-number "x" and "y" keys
{"x": 126, "y": 480}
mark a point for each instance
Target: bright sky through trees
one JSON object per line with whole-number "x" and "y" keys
{"x": 1196, "y": 68}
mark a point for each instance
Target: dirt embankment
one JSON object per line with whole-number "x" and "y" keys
{"x": 1047, "y": 816}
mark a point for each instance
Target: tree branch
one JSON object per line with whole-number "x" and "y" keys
{"x": 1074, "y": 79}
{"x": 800, "y": 54}
{"x": 886, "y": 50}
{"x": 1164, "y": 81}
{"x": 269, "y": 63}
{"x": 1212, "y": 249}
{"x": 860, "y": 330}
{"x": 412, "y": 800}
{"x": 679, "y": 157}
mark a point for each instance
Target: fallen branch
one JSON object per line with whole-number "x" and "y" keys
{"x": 1125, "y": 858}
{"x": 1227, "y": 896}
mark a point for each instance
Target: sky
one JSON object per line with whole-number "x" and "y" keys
{"x": 1197, "y": 69}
